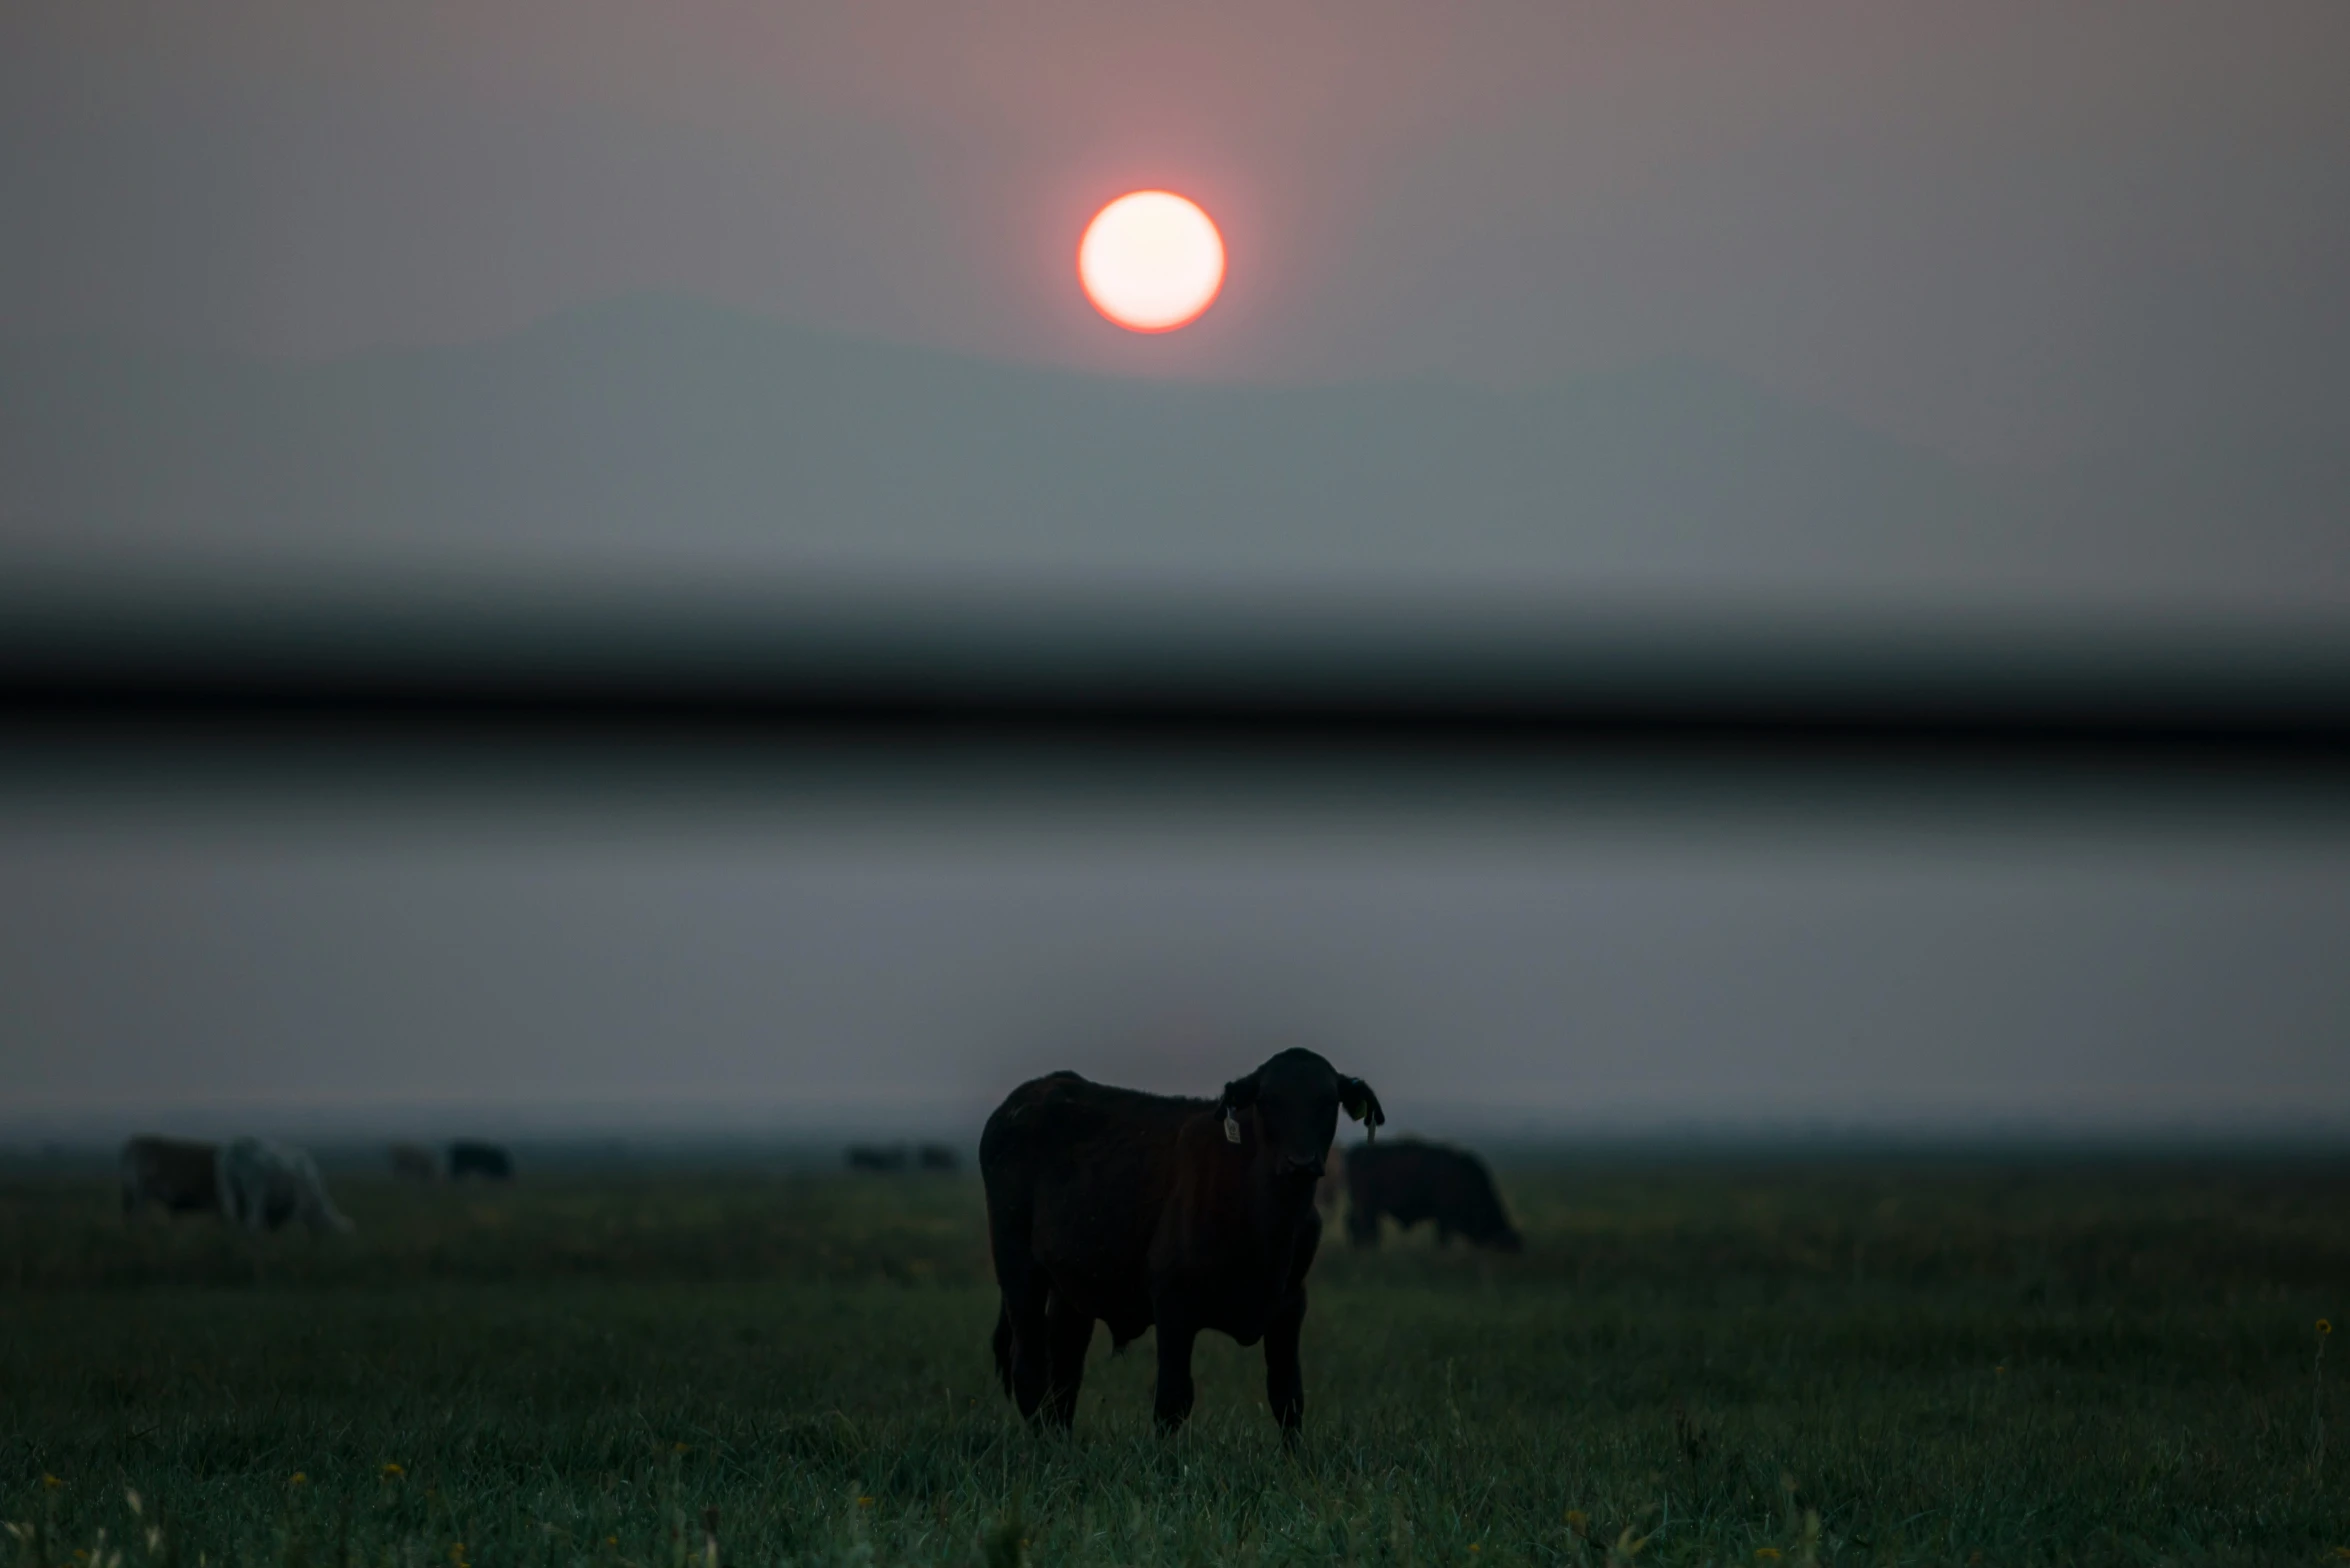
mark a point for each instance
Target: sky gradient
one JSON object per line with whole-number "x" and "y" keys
{"x": 1621, "y": 310}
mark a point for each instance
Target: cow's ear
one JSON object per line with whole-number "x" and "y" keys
{"x": 1240, "y": 1093}
{"x": 1362, "y": 1105}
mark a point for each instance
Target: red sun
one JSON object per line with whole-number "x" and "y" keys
{"x": 1151, "y": 261}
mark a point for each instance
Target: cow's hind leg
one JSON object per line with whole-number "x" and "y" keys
{"x": 1021, "y": 1353}
{"x": 1068, "y": 1334}
{"x": 1031, "y": 1342}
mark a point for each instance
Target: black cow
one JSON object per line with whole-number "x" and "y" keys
{"x": 468, "y": 1157}
{"x": 936, "y": 1157}
{"x": 175, "y": 1175}
{"x": 1140, "y": 1209}
{"x": 877, "y": 1157}
{"x": 1415, "y": 1181}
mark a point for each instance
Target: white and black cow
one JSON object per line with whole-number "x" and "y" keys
{"x": 265, "y": 1186}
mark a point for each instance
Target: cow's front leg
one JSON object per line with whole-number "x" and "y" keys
{"x": 1176, "y": 1332}
{"x": 1285, "y": 1380}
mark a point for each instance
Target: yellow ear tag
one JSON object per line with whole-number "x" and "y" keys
{"x": 1231, "y": 1128}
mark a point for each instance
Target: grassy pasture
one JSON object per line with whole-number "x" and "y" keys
{"x": 1702, "y": 1360}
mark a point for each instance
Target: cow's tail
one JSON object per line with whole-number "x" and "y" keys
{"x": 1003, "y": 1347}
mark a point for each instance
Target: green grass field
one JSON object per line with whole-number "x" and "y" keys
{"x": 1695, "y": 1361}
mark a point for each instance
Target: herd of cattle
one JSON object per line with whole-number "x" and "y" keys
{"x": 267, "y": 1186}
{"x": 1148, "y": 1211}
{"x": 1104, "y": 1205}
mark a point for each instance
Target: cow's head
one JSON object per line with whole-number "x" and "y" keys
{"x": 1297, "y": 1096}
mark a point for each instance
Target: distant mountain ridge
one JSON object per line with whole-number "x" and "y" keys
{"x": 655, "y": 429}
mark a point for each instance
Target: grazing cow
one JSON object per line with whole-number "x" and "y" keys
{"x": 263, "y": 1186}
{"x": 936, "y": 1157}
{"x": 875, "y": 1157}
{"x": 1140, "y": 1209}
{"x": 1415, "y": 1181}
{"x": 176, "y": 1175}
{"x": 414, "y": 1162}
{"x": 469, "y": 1157}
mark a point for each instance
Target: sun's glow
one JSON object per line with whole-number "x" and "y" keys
{"x": 1151, "y": 261}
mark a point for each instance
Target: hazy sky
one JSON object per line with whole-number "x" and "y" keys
{"x": 1999, "y": 229}
{"x": 2061, "y": 255}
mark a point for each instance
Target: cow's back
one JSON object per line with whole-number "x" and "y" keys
{"x": 1077, "y": 1174}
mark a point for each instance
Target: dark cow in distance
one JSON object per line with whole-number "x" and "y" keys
{"x": 877, "y": 1157}
{"x": 1141, "y": 1209}
{"x": 1414, "y": 1181}
{"x": 176, "y": 1175}
{"x": 471, "y": 1157}
{"x": 936, "y": 1157}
